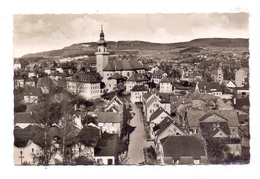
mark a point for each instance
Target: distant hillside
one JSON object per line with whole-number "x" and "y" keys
{"x": 89, "y": 48}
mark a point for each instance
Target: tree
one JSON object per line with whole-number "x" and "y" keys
{"x": 123, "y": 158}
{"x": 217, "y": 151}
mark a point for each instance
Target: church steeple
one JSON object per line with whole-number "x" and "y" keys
{"x": 102, "y": 35}
{"x": 102, "y": 53}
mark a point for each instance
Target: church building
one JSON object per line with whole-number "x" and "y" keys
{"x": 116, "y": 71}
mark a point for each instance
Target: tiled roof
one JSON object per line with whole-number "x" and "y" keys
{"x": 241, "y": 103}
{"x": 109, "y": 117}
{"x": 207, "y": 128}
{"x": 165, "y": 80}
{"x": 87, "y": 77}
{"x": 137, "y": 77}
{"x": 181, "y": 146}
{"x": 194, "y": 116}
{"x": 22, "y": 136}
{"x": 139, "y": 88}
{"x": 156, "y": 113}
{"x": 243, "y": 117}
{"x": 123, "y": 65}
{"x": 147, "y": 95}
{"x": 151, "y": 101}
{"x": 110, "y": 146}
{"x": 210, "y": 87}
{"x": 158, "y": 74}
{"x": 22, "y": 118}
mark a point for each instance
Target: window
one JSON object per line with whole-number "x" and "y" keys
{"x": 32, "y": 150}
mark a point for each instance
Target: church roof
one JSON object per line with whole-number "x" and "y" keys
{"x": 117, "y": 76}
{"x": 123, "y": 65}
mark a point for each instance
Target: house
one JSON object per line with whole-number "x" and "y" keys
{"x": 115, "y": 101}
{"x": 182, "y": 150}
{"x": 86, "y": 84}
{"x": 241, "y": 105}
{"x": 213, "y": 88}
{"x": 196, "y": 117}
{"x": 166, "y": 128}
{"x": 106, "y": 149}
{"x": 165, "y": 85}
{"x": 137, "y": 93}
{"x": 18, "y": 82}
{"x": 231, "y": 84}
{"x": 114, "y": 80}
{"x": 24, "y": 147}
{"x": 240, "y": 76}
{"x": 243, "y": 119}
{"x": 135, "y": 79}
{"x": 86, "y": 140}
{"x": 17, "y": 64}
{"x": 157, "y": 76}
{"x": 110, "y": 122}
{"x": 29, "y": 82}
{"x": 157, "y": 116}
{"x": 243, "y": 91}
{"x": 32, "y": 95}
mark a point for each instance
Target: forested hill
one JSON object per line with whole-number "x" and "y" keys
{"x": 89, "y": 48}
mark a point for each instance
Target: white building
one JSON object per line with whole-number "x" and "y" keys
{"x": 137, "y": 93}
{"x": 165, "y": 85}
{"x": 85, "y": 84}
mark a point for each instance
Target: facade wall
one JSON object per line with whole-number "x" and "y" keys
{"x": 137, "y": 96}
{"x": 240, "y": 77}
{"x": 26, "y": 153}
{"x": 236, "y": 149}
{"x": 110, "y": 127}
{"x": 165, "y": 87}
{"x": 101, "y": 60}
{"x": 150, "y": 110}
{"x": 104, "y": 159}
{"x": 86, "y": 90}
{"x": 130, "y": 84}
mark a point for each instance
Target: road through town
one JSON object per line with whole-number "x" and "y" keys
{"x": 137, "y": 138}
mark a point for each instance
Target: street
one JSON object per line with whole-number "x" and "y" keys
{"x": 137, "y": 138}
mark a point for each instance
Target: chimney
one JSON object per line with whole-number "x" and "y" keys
{"x": 182, "y": 100}
{"x": 235, "y": 101}
{"x": 31, "y": 113}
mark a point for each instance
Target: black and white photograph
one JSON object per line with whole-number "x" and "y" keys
{"x": 131, "y": 89}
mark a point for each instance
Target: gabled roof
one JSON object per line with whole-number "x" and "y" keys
{"x": 152, "y": 100}
{"x": 22, "y": 136}
{"x": 209, "y": 128}
{"x": 137, "y": 77}
{"x": 139, "y": 88}
{"x": 22, "y": 118}
{"x": 243, "y": 117}
{"x": 109, "y": 117}
{"x": 119, "y": 100}
{"x": 108, "y": 147}
{"x": 194, "y": 116}
{"x": 158, "y": 73}
{"x": 146, "y": 96}
{"x": 182, "y": 100}
{"x": 165, "y": 80}
{"x": 242, "y": 104}
{"x": 181, "y": 146}
{"x": 156, "y": 113}
{"x": 87, "y": 77}
{"x": 216, "y": 129}
{"x": 119, "y": 65}
{"x": 210, "y": 87}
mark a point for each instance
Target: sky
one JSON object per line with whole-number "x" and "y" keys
{"x": 42, "y": 32}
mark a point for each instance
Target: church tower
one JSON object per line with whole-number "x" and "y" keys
{"x": 101, "y": 54}
{"x": 220, "y": 76}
